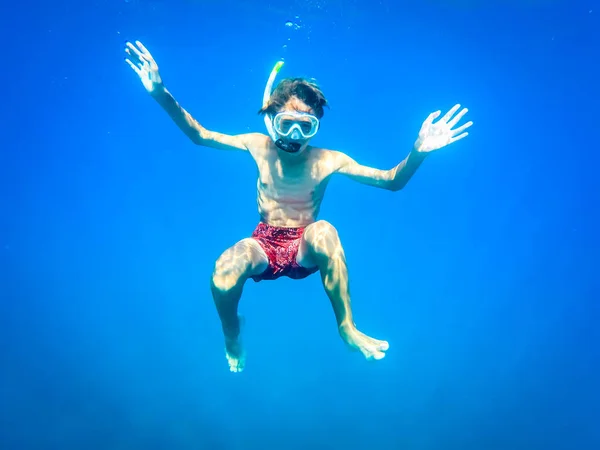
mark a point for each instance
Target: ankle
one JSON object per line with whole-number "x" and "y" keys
{"x": 346, "y": 327}
{"x": 231, "y": 333}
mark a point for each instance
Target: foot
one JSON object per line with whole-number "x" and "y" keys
{"x": 372, "y": 349}
{"x": 235, "y": 355}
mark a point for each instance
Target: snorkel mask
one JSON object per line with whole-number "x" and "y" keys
{"x": 289, "y": 129}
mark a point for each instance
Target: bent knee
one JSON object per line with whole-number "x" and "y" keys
{"x": 322, "y": 238}
{"x": 319, "y": 230}
{"x": 227, "y": 276}
{"x": 234, "y": 266}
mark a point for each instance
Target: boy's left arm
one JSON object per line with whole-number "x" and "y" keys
{"x": 432, "y": 136}
{"x": 392, "y": 180}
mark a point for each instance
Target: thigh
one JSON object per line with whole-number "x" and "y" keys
{"x": 319, "y": 243}
{"x": 244, "y": 258}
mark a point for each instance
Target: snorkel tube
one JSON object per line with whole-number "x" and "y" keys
{"x": 290, "y": 147}
{"x": 267, "y": 97}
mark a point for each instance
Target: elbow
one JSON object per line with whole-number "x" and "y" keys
{"x": 196, "y": 137}
{"x": 394, "y": 182}
{"x": 198, "y": 134}
{"x": 396, "y": 186}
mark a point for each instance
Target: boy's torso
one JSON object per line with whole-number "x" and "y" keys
{"x": 290, "y": 188}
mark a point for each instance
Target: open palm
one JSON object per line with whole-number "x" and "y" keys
{"x": 142, "y": 62}
{"x": 434, "y": 136}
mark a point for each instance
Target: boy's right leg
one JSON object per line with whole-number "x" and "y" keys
{"x": 238, "y": 263}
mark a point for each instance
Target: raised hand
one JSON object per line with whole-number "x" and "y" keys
{"x": 142, "y": 63}
{"x": 434, "y": 136}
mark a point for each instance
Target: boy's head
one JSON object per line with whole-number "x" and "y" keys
{"x": 296, "y": 92}
{"x": 294, "y": 109}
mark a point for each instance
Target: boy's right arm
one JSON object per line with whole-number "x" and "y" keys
{"x": 196, "y": 132}
{"x": 144, "y": 65}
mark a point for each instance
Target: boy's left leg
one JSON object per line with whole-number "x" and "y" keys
{"x": 320, "y": 247}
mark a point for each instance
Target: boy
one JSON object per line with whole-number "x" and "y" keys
{"x": 289, "y": 240}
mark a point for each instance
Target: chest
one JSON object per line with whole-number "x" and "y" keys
{"x": 299, "y": 181}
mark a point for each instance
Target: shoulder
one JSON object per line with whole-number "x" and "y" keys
{"x": 257, "y": 143}
{"x": 256, "y": 140}
{"x": 333, "y": 159}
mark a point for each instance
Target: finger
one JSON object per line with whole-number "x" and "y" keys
{"x": 134, "y": 67}
{"x": 431, "y": 118}
{"x": 136, "y": 58}
{"x": 457, "y": 138}
{"x": 450, "y": 113}
{"x": 462, "y": 128}
{"x": 132, "y": 50}
{"x": 144, "y": 50}
{"x": 457, "y": 118}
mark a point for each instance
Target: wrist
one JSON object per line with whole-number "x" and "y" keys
{"x": 415, "y": 153}
{"x": 158, "y": 90}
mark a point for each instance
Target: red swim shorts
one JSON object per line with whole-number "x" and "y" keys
{"x": 281, "y": 246}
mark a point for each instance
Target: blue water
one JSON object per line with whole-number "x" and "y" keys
{"x": 482, "y": 273}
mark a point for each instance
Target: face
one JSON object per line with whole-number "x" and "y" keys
{"x": 295, "y": 125}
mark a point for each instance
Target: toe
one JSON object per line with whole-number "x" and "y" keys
{"x": 236, "y": 367}
{"x": 378, "y": 355}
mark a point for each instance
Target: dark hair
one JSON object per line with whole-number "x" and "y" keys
{"x": 306, "y": 91}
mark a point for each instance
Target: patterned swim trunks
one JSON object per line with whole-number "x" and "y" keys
{"x": 281, "y": 246}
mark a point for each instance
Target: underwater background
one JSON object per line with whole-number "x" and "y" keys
{"x": 482, "y": 273}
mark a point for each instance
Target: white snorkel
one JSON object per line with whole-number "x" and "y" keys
{"x": 289, "y": 147}
{"x": 267, "y": 97}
